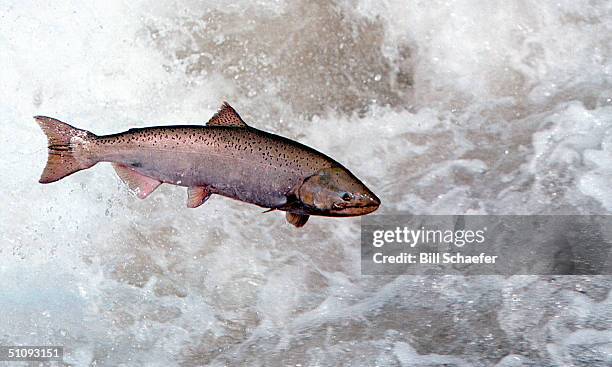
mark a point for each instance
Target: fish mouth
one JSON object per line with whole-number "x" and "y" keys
{"x": 365, "y": 205}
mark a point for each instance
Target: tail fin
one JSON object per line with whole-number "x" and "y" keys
{"x": 66, "y": 153}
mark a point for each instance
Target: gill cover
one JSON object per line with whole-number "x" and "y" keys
{"x": 322, "y": 189}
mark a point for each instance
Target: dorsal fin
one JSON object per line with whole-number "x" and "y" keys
{"x": 226, "y": 116}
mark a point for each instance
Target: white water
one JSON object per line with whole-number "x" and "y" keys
{"x": 441, "y": 107}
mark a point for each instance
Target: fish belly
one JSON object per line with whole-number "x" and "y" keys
{"x": 242, "y": 179}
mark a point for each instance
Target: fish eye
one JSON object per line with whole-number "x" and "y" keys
{"x": 347, "y": 196}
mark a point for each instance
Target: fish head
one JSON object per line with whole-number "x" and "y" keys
{"x": 336, "y": 192}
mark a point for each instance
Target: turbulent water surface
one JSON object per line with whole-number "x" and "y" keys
{"x": 442, "y": 107}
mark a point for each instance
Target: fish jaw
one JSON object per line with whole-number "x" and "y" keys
{"x": 362, "y": 205}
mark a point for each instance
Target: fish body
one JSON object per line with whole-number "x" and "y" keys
{"x": 225, "y": 157}
{"x": 242, "y": 163}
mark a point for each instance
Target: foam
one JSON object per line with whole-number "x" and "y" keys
{"x": 441, "y": 107}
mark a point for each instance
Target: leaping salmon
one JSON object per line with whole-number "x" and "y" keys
{"x": 226, "y": 157}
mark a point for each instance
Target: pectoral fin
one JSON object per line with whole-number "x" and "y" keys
{"x": 140, "y": 184}
{"x": 196, "y": 196}
{"x": 297, "y": 220}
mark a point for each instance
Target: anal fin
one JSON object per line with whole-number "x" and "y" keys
{"x": 196, "y": 196}
{"x": 140, "y": 184}
{"x": 297, "y": 220}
